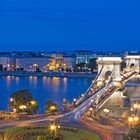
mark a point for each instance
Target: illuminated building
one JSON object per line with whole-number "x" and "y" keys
{"x": 33, "y": 63}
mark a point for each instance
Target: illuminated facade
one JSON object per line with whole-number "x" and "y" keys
{"x": 8, "y": 62}
{"x": 84, "y": 56}
{"x": 33, "y": 63}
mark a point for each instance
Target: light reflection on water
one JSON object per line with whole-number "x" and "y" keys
{"x": 43, "y": 88}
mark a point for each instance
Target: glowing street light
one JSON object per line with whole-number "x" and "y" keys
{"x": 58, "y": 126}
{"x": 136, "y": 106}
{"x": 106, "y": 110}
{"x": 22, "y": 107}
{"x": 91, "y": 100}
{"x": 33, "y": 102}
{"x": 131, "y": 109}
{"x": 82, "y": 95}
{"x": 90, "y": 109}
{"x": 133, "y": 120}
{"x": 52, "y": 108}
{"x": 54, "y": 128}
{"x": 11, "y": 99}
{"x": 8, "y": 65}
{"x": 74, "y": 101}
{"x": 14, "y": 110}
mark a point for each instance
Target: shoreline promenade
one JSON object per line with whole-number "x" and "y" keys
{"x": 50, "y": 74}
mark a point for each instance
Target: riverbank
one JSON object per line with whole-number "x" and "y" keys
{"x": 50, "y": 74}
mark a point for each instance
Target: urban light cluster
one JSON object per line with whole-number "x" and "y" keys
{"x": 52, "y": 108}
{"x": 54, "y": 128}
{"x": 22, "y": 107}
{"x": 133, "y": 120}
{"x": 106, "y": 110}
{"x": 136, "y": 106}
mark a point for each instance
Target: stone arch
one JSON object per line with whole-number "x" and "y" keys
{"x": 132, "y": 61}
{"x": 109, "y": 65}
{"x": 108, "y": 74}
{"x": 132, "y": 65}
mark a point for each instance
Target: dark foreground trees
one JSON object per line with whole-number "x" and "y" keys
{"x": 22, "y": 101}
{"x": 134, "y": 133}
{"x": 51, "y": 107}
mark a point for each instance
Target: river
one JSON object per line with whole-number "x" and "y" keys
{"x": 44, "y": 88}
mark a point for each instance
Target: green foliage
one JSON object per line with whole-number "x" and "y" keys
{"x": 85, "y": 67}
{"x": 10, "y": 134}
{"x": 41, "y": 138}
{"x": 23, "y": 97}
{"x": 49, "y": 105}
{"x": 133, "y": 134}
{"x": 48, "y": 138}
{"x": 92, "y": 64}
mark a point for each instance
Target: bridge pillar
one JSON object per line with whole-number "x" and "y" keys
{"x": 109, "y": 67}
{"x": 132, "y": 62}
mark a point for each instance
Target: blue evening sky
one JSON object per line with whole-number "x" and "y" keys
{"x": 99, "y": 25}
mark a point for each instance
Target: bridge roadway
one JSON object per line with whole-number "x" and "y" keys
{"x": 76, "y": 113}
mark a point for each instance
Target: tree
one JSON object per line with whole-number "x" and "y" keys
{"x": 92, "y": 64}
{"x": 51, "y": 107}
{"x": 85, "y": 67}
{"x": 133, "y": 134}
{"x": 23, "y": 101}
{"x": 80, "y": 67}
{"x": 65, "y": 104}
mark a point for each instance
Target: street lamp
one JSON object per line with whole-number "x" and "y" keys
{"x": 106, "y": 111}
{"x": 91, "y": 109}
{"x": 33, "y": 102}
{"x": 82, "y": 95}
{"x": 131, "y": 109}
{"x": 52, "y": 108}
{"x": 136, "y": 106}
{"x": 133, "y": 120}
{"x": 11, "y": 99}
{"x": 54, "y": 128}
{"x": 14, "y": 110}
{"x": 22, "y": 107}
{"x": 74, "y": 101}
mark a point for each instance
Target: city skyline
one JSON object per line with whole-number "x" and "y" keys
{"x": 61, "y": 26}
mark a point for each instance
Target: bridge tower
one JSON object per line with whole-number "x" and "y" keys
{"x": 132, "y": 62}
{"x": 109, "y": 67}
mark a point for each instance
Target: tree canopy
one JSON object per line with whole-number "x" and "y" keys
{"x": 51, "y": 107}
{"x": 22, "y": 100}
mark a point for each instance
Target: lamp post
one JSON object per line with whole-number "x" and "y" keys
{"x": 74, "y": 101}
{"x": 106, "y": 111}
{"x": 52, "y": 108}
{"x": 22, "y": 107}
{"x": 91, "y": 109}
{"x": 54, "y": 128}
{"x": 12, "y": 100}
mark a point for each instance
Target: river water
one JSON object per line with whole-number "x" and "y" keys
{"x": 44, "y": 88}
